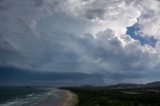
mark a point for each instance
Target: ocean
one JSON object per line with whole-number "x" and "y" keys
{"x": 29, "y": 96}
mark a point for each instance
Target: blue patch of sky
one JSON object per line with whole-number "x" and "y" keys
{"x": 131, "y": 31}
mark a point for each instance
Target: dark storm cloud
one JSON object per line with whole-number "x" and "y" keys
{"x": 9, "y": 76}
{"x": 4, "y": 5}
{"x": 96, "y": 13}
{"x": 49, "y": 36}
{"x": 38, "y": 3}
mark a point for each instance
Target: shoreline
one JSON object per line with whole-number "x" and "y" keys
{"x": 68, "y": 99}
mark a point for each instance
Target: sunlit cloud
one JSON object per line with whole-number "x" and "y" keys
{"x": 85, "y": 36}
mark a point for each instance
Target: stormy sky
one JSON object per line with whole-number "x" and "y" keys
{"x": 110, "y": 41}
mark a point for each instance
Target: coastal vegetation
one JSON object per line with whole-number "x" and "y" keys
{"x": 104, "y": 96}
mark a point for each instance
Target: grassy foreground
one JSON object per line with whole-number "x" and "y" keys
{"x": 101, "y": 96}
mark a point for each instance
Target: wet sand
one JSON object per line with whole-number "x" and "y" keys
{"x": 45, "y": 102}
{"x": 67, "y": 99}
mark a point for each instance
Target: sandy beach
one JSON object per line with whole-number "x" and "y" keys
{"x": 68, "y": 99}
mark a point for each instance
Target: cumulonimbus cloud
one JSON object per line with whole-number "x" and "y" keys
{"x": 86, "y": 36}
